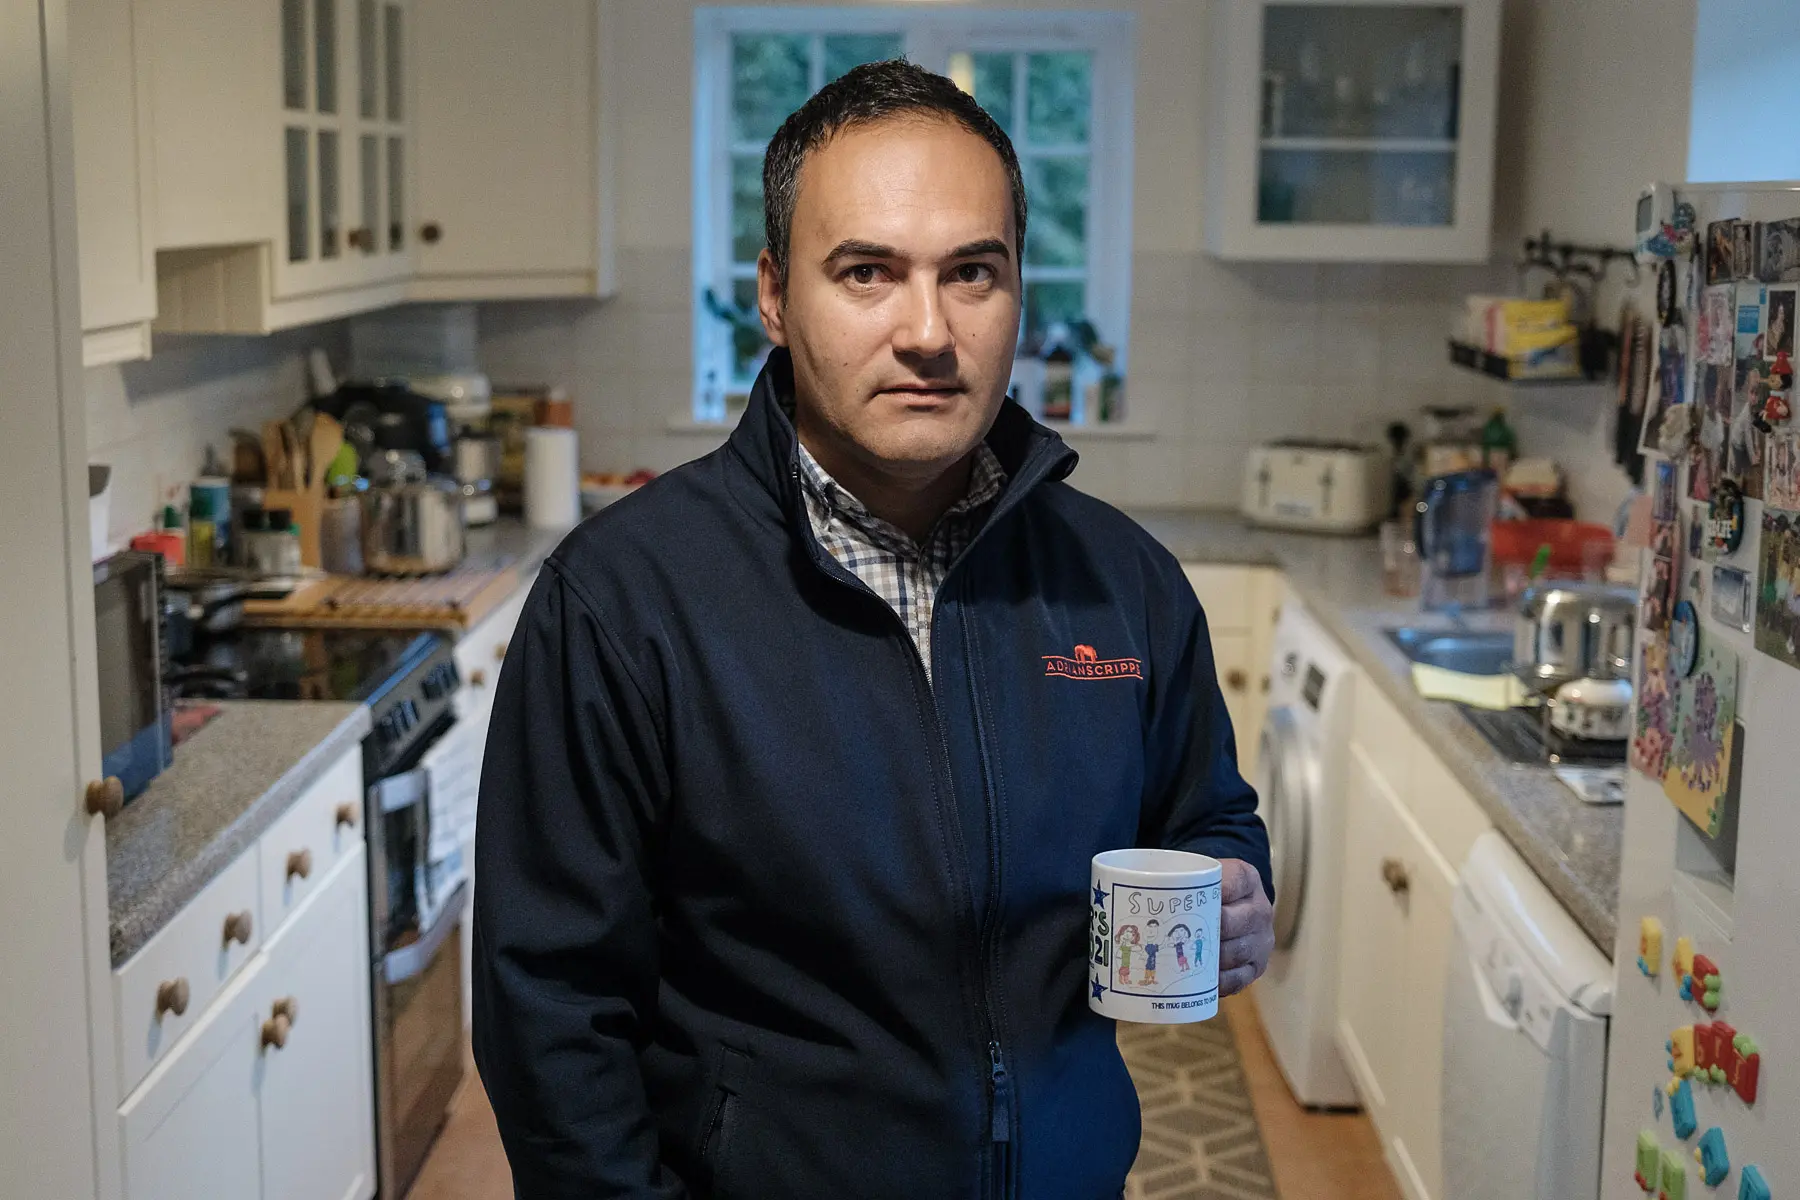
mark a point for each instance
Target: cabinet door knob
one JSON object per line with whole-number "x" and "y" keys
{"x": 361, "y": 239}
{"x": 431, "y": 233}
{"x": 346, "y": 815}
{"x": 478, "y": 678}
{"x": 105, "y": 797}
{"x": 172, "y": 997}
{"x": 275, "y": 1031}
{"x": 1265, "y": 685}
{"x": 238, "y": 927}
{"x": 1236, "y": 680}
{"x": 1393, "y": 873}
{"x": 299, "y": 863}
{"x": 287, "y": 1007}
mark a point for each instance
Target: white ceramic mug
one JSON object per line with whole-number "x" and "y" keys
{"x": 1153, "y": 936}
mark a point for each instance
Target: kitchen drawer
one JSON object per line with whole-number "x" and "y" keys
{"x": 1224, "y": 594}
{"x": 195, "y": 954}
{"x": 300, "y": 849}
{"x": 481, "y": 651}
{"x": 1449, "y": 815}
{"x": 1385, "y": 737}
{"x": 1233, "y": 658}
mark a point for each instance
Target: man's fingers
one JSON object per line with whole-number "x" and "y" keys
{"x": 1250, "y": 950}
{"x": 1244, "y": 916}
{"x": 1237, "y": 880}
{"x": 1236, "y": 980}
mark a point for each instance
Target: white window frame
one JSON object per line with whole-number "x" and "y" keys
{"x": 930, "y": 37}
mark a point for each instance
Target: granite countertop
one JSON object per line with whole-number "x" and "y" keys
{"x": 229, "y": 783}
{"x": 513, "y": 539}
{"x": 1574, "y": 847}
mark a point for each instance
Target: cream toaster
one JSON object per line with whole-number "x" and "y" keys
{"x": 1326, "y": 487}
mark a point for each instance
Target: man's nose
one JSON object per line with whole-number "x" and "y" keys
{"x": 923, "y": 330}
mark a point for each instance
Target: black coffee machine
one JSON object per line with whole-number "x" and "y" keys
{"x": 390, "y": 416}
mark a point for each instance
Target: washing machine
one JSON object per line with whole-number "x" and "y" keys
{"x": 1300, "y": 782}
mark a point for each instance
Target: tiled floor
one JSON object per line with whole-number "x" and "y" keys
{"x": 1316, "y": 1156}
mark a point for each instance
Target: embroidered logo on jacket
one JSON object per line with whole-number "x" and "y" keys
{"x": 1087, "y": 664}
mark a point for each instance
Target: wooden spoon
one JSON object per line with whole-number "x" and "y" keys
{"x": 327, "y": 438}
{"x": 274, "y": 454}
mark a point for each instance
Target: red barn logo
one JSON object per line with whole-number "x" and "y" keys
{"x": 1087, "y": 664}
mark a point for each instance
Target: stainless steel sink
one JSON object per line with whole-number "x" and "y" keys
{"x": 1473, "y": 652}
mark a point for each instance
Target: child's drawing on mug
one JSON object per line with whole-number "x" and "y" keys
{"x": 1155, "y": 949}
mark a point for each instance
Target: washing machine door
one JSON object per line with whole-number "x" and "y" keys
{"x": 1284, "y": 801}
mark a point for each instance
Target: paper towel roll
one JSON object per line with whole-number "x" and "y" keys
{"x": 552, "y": 478}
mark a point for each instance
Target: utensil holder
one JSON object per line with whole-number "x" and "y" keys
{"x": 308, "y": 509}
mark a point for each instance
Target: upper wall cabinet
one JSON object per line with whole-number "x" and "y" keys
{"x": 282, "y": 149}
{"x": 514, "y": 183}
{"x": 113, "y": 185}
{"x": 1355, "y": 130}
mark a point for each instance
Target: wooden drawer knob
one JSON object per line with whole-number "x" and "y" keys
{"x": 172, "y": 997}
{"x": 105, "y": 797}
{"x": 299, "y": 863}
{"x": 431, "y": 233}
{"x": 1236, "y": 680}
{"x": 275, "y": 1031}
{"x": 1393, "y": 873}
{"x": 346, "y": 815}
{"x": 287, "y": 1007}
{"x": 238, "y": 927}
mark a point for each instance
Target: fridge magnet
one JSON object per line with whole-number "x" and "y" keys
{"x": 1701, "y": 984}
{"x": 1781, "y": 472}
{"x": 1744, "y": 441}
{"x": 1719, "y": 250}
{"x": 1733, "y": 598}
{"x": 1696, "y": 536}
{"x": 1681, "y": 1056}
{"x": 1649, "y": 1161}
{"x": 1675, "y": 433}
{"x": 1656, "y": 1103}
{"x": 1684, "y": 640}
{"x": 1751, "y": 1185}
{"x": 1684, "y": 956}
{"x": 1725, "y": 518}
{"x": 1747, "y": 326}
{"x": 1776, "y": 412}
{"x": 1656, "y": 607}
{"x": 1716, "y": 325}
{"x": 1699, "y": 771}
{"x": 1674, "y": 1177}
{"x": 1781, "y": 370}
{"x": 1715, "y": 1164}
{"x": 1743, "y": 248}
{"x": 1779, "y": 259}
{"x": 1666, "y": 312}
{"x": 1709, "y": 436}
{"x": 1681, "y": 1110}
{"x": 1654, "y": 732}
{"x": 1663, "y": 508}
{"x": 1778, "y": 586}
{"x": 1650, "y": 947}
{"x": 1778, "y": 322}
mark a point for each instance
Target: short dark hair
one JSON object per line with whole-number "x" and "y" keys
{"x": 867, "y": 95}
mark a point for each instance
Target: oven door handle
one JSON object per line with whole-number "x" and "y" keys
{"x": 397, "y": 966}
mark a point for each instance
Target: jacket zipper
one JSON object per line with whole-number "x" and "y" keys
{"x": 999, "y": 1081}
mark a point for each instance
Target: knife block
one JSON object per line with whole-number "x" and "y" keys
{"x": 308, "y": 509}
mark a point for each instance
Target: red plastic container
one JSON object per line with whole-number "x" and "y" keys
{"x": 1569, "y": 542}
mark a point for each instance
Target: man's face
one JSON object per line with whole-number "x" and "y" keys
{"x": 902, "y": 302}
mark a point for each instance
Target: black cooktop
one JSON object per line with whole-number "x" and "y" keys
{"x": 302, "y": 664}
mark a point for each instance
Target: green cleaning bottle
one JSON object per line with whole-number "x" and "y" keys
{"x": 1499, "y": 444}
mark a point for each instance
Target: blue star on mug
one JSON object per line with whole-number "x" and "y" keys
{"x": 1099, "y": 898}
{"x": 1099, "y": 988}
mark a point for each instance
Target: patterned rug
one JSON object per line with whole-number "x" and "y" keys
{"x": 1201, "y": 1140}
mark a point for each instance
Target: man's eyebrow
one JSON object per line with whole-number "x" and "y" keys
{"x": 855, "y": 248}
{"x": 984, "y": 246}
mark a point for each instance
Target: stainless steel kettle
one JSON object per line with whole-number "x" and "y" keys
{"x": 1571, "y": 630}
{"x": 412, "y": 522}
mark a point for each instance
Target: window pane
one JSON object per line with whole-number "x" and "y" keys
{"x": 994, "y": 88}
{"x": 370, "y": 149}
{"x": 1047, "y": 303}
{"x": 325, "y": 52}
{"x": 396, "y": 195}
{"x": 328, "y": 193}
{"x": 1058, "y": 97}
{"x": 843, "y": 51}
{"x": 367, "y": 71}
{"x": 396, "y": 91}
{"x": 746, "y": 207}
{"x": 293, "y": 53}
{"x": 1056, "y": 190}
{"x": 299, "y": 224}
{"x": 749, "y": 346}
{"x": 768, "y": 81}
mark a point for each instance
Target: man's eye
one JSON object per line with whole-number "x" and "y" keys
{"x": 974, "y": 273}
{"x": 863, "y": 273}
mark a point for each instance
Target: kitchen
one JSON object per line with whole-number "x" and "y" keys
{"x": 562, "y": 229}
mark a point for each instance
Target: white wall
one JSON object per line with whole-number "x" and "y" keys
{"x": 1746, "y": 62}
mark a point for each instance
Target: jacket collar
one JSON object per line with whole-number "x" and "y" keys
{"x": 766, "y": 441}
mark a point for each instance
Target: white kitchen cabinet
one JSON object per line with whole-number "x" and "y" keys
{"x": 191, "y": 1129}
{"x": 317, "y": 1112}
{"x": 1352, "y": 131}
{"x": 1371, "y": 965}
{"x": 513, "y": 165}
{"x": 281, "y": 136}
{"x": 1240, "y": 604}
{"x": 110, "y": 97}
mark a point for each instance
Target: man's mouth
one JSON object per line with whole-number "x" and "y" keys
{"x": 922, "y": 392}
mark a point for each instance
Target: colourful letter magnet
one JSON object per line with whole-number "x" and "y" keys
{"x": 1681, "y": 1050}
{"x": 1649, "y": 1160}
{"x": 1650, "y": 946}
{"x": 1710, "y": 1154}
{"x": 1681, "y": 1111}
{"x": 1674, "y": 1177}
{"x": 1751, "y": 1185}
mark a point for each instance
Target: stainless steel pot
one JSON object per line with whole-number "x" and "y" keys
{"x": 412, "y": 523}
{"x": 477, "y": 463}
{"x": 1568, "y": 631}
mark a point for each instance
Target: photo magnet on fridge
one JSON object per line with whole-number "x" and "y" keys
{"x": 1778, "y": 587}
{"x": 1743, "y": 248}
{"x": 1744, "y": 441}
{"x": 1781, "y": 472}
{"x": 1734, "y": 598}
{"x": 1699, "y": 771}
{"x": 1719, "y": 252}
{"x": 1778, "y": 322}
{"x": 1716, "y": 324}
{"x": 1778, "y": 257}
{"x": 1748, "y": 328}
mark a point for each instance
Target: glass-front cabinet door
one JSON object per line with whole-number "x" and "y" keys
{"x": 343, "y": 94}
{"x": 1353, "y": 130}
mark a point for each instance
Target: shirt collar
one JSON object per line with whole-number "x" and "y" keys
{"x": 987, "y": 478}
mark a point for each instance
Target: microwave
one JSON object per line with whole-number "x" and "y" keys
{"x": 134, "y": 706}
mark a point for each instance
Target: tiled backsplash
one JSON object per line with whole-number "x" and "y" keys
{"x": 153, "y": 420}
{"x": 1223, "y": 356}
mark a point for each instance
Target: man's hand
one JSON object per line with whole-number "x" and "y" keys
{"x": 1246, "y": 927}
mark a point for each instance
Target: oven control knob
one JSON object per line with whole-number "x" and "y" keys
{"x": 411, "y": 709}
{"x": 398, "y": 717}
{"x": 430, "y": 687}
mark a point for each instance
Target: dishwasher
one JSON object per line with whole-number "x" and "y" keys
{"x": 1525, "y": 1023}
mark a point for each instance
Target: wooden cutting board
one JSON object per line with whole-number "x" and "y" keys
{"x": 455, "y": 600}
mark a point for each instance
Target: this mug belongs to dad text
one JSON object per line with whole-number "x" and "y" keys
{"x": 1153, "y": 936}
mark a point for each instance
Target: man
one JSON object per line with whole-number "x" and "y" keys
{"x": 794, "y": 777}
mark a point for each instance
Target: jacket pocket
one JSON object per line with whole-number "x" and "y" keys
{"x": 724, "y": 1116}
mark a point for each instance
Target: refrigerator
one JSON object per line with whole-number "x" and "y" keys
{"x": 1703, "y": 1059}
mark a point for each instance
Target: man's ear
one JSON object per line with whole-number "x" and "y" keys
{"x": 769, "y": 298}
